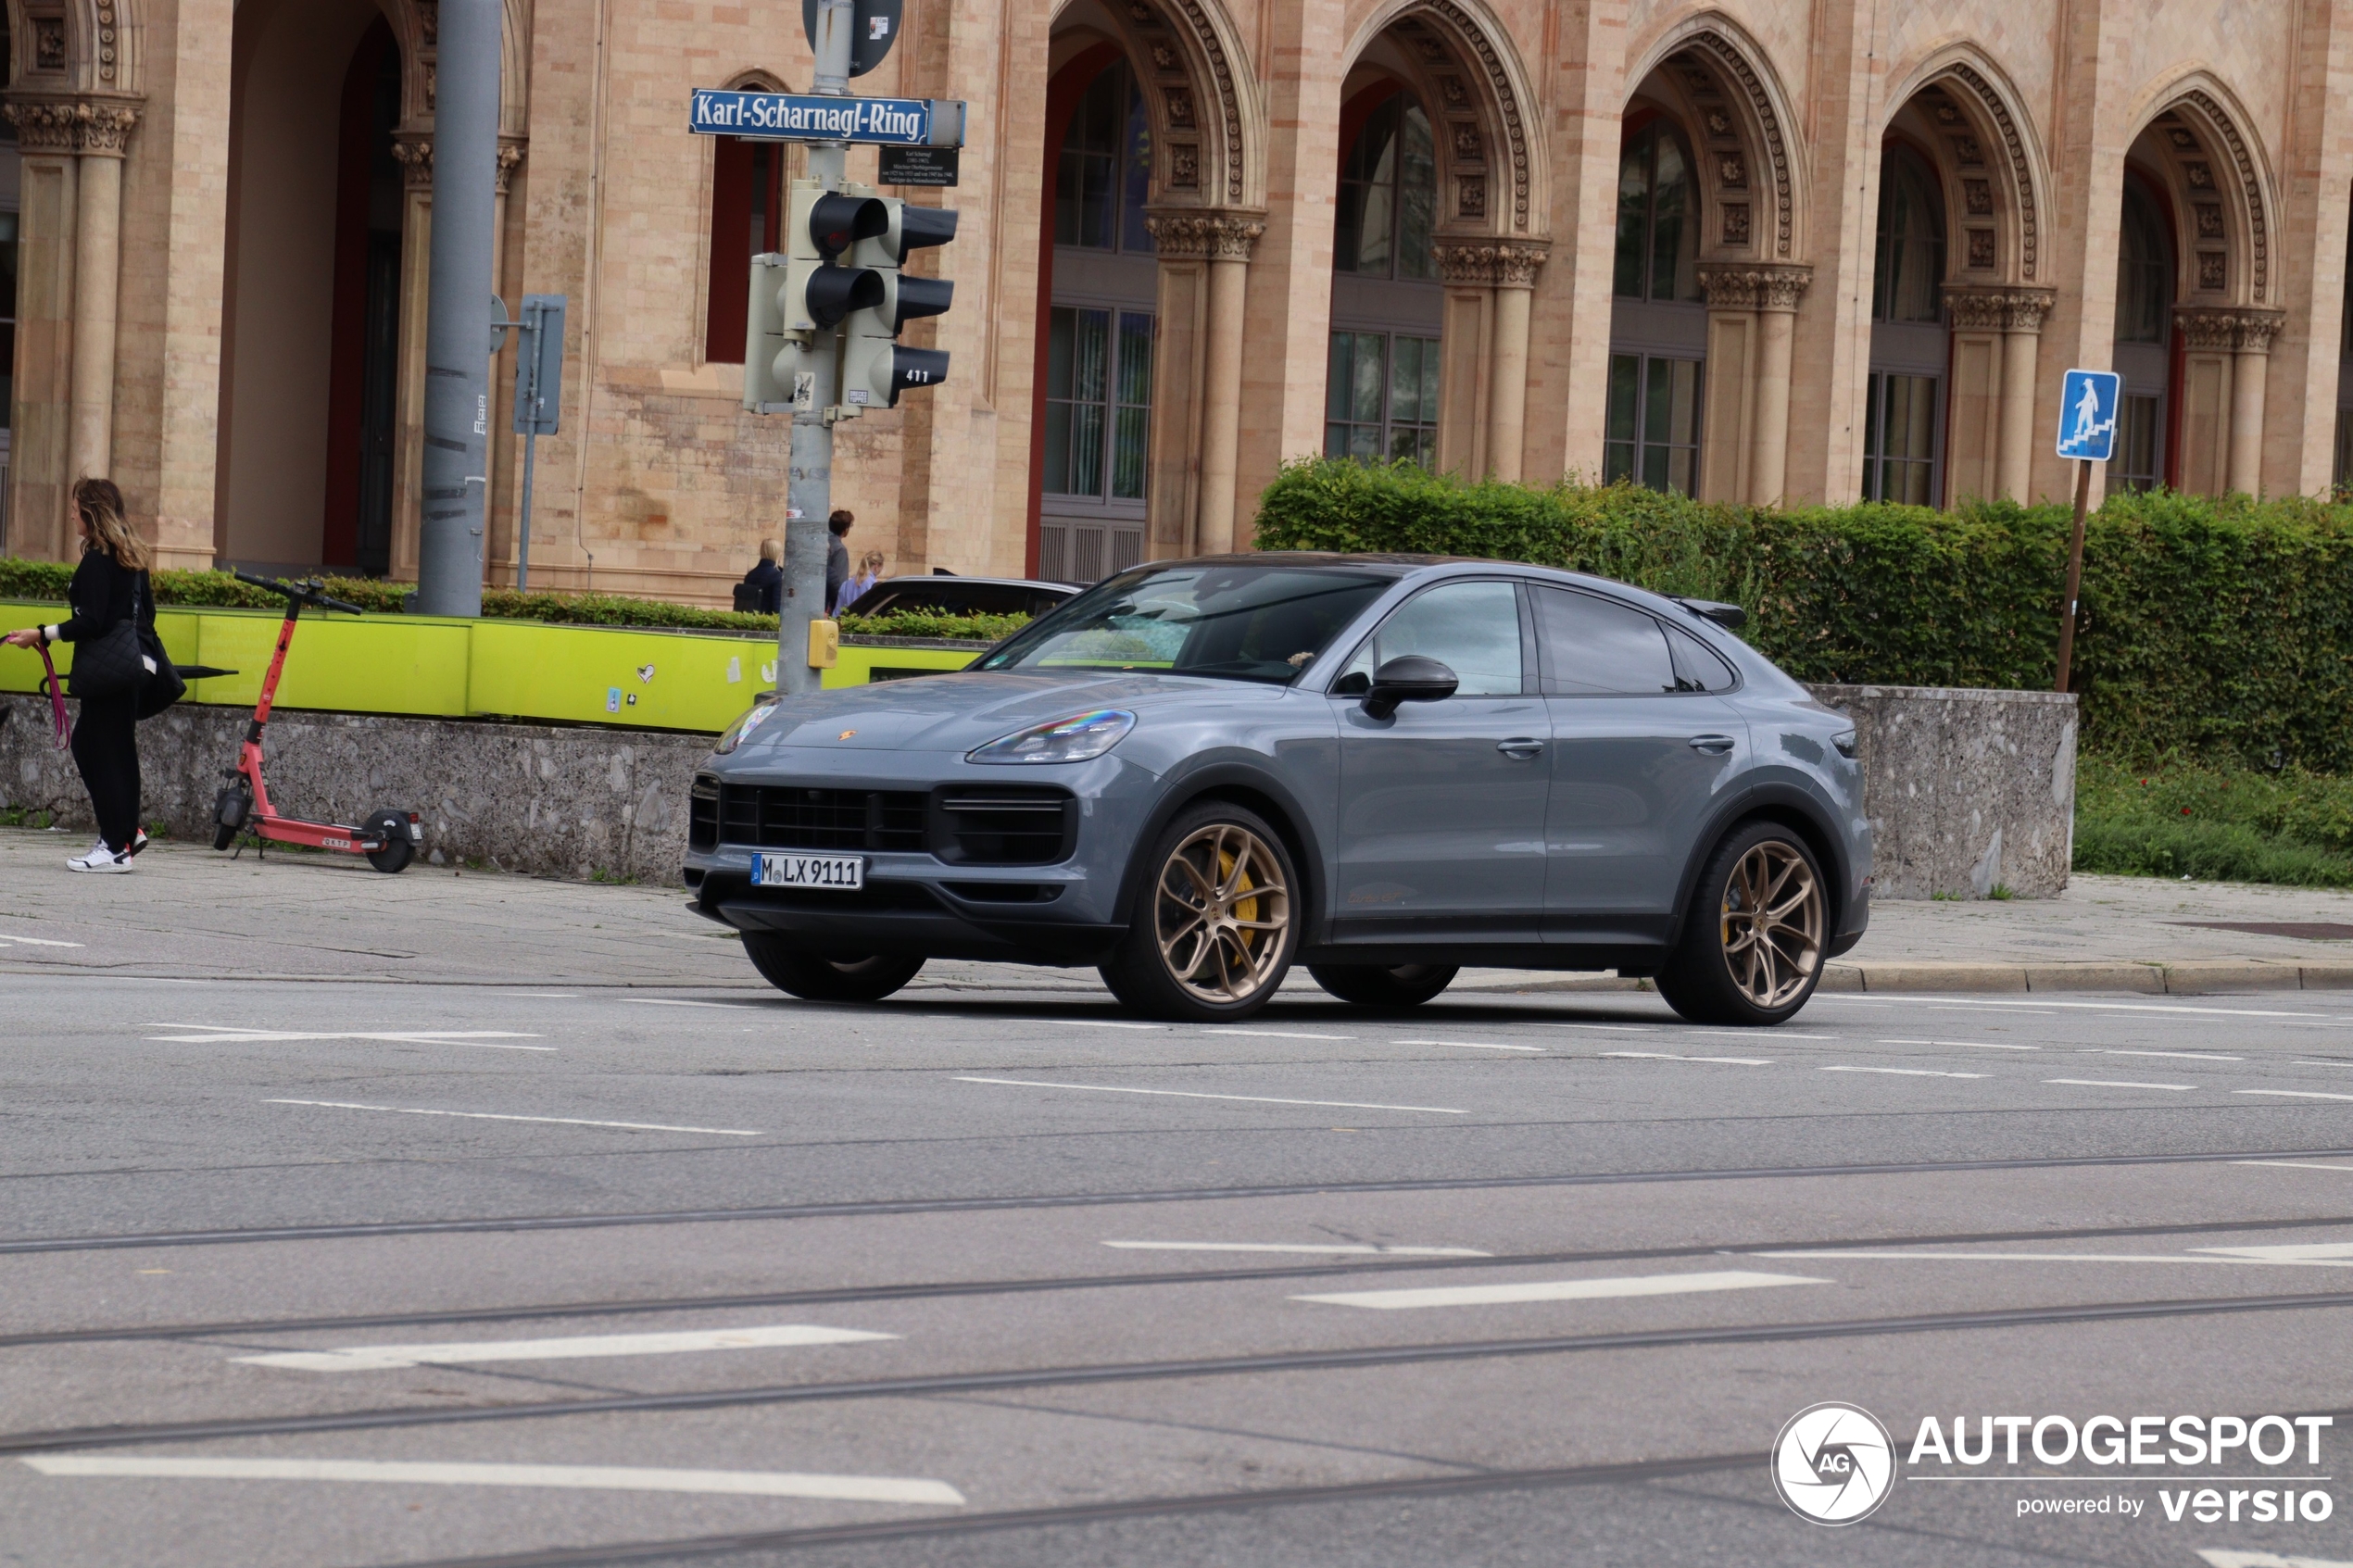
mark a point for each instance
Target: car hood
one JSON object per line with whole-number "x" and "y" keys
{"x": 961, "y": 711}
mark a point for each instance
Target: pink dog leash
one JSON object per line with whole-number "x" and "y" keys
{"x": 56, "y": 697}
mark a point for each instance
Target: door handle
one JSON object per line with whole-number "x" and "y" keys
{"x": 1714, "y": 745}
{"x": 1520, "y": 748}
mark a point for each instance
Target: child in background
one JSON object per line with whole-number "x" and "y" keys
{"x": 868, "y": 571}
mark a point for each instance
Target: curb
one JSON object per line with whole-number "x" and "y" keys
{"x": 2152, "y": 978}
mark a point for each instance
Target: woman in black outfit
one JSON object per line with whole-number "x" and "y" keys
{"x": 111, "y": 579}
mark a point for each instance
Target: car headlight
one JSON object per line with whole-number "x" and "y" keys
{"x": 737, "y": 733}
{"x": 1080, "y": 738}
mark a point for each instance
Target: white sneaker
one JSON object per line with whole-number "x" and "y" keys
{"x": 100, "y": 859}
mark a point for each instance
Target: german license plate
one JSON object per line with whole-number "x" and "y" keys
{"x": 847, "y": 872}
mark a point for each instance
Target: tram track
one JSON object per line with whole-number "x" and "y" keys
{"x": 1139, "y": 1372}
{"x": 854, "y": 1208}
{"x": 927, "y": 1290}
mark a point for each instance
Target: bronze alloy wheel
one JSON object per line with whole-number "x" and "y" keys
{"x": 1222, "y": 913}
{"x": 1773, "y": 921}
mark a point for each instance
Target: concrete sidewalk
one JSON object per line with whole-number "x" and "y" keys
{"x": 188, "y": 913}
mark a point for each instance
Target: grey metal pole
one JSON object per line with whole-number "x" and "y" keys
{"x": 458, "y": 341}
{"x": 809, "y": 491}
{"x": 522, "y": 532}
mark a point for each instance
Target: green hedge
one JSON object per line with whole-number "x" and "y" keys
{"x": 2220, "y": 627}
{"x": 47, "y": 579}
{"x": 2172, "y": 816}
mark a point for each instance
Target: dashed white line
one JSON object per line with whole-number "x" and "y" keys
{"x": 491, "y": 1116}
{"x": 590, "y": 1477}
{"x": 583, "y": 1347}
{"x": 1088, "y": 1023}
{"x": 1557, "y": 1290}
{"x": 1190, "y": 1094}
{"x": 35, "y": 941}
{"x": 1475, "y": 1046}
{"x": 1903, "y": 1071}
{"x": 480, "y": 1039}
{"x": 2291, "y": 1094}
{"x": 682, "y": 1002}
{"x": 2295, "y": 1165}
{"x": 1973, "y": 1044}
{"x": 2115, "y": 1084}
{"x": 1757, "y": 1034}
{"x": 1273, "y": 1034}
{"x": 2185, "y": 1056}
{"x": 1348, "y": 1249}
{"x": 1666, "y": 1056}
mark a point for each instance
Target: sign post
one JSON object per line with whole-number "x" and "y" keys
{"x": 2088, "y": 434}
{"x": 539, "y": 375}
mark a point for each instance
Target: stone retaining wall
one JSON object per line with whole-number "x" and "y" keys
{"x": 1968, "y": 790}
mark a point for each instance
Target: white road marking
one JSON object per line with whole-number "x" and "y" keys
{"x": 1663, "y": 1056}
{"x": 1351, "y": 1249}
{"x": 2295, "y": 1164}
{"x": 223, "y": 1034}
{"x": 2115, "y": 1084}
{"x": 552, "y": 996}
{"x": 591, "y": 1477}
{"x": 681, "y": 1002}
{"x": 2052, "y": 1258}
{"x": 36, "y": 941}
{"x": 1557, "y": 1290}
{"x": 1088, "y": 1023}
{"x": 489, "y": 1116}
{"x": 1904, "y": 1072}
{"x": 2041, "y": 1004}
{"x": 1973, "y": 1044}
{"x": 1610, "y": 1028}
{"x": 2303, "y": 1062}
{"x": 1274, "y": 1033}
{"x": 1475, "y": 1046}
{"x": 2293, "y": 1252}
{"x": 386, "y": 1358}
{"x": 1755, "y": 1034}
{"x": 2291, "y": 1094}
{"x": 1187, "y": 1094}
{"x": 2185, "y": 1056}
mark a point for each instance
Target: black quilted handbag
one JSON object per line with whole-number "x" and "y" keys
{"x": 112, "y": 663}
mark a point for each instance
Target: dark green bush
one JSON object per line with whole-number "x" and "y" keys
{"x": 2224, "y": 627}
{"x": 47, "y": 579}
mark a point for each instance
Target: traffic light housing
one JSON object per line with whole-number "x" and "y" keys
{"x": 772, "y": 355}
{"x": 874, "y": 367}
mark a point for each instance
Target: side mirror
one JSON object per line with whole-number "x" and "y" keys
{"x": 1408, "y": 678}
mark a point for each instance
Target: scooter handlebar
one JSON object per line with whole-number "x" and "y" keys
{"x": 311, "y": 592}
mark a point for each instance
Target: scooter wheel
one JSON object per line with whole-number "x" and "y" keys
{"x": 224, "y": 835}
{"x": 393, "y": 828}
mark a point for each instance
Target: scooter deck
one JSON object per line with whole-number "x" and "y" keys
{"x": 318, "y": 835}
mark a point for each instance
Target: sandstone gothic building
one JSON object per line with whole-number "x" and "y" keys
{"x": 1757, "y": 250}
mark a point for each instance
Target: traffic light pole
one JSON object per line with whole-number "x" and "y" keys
{"x": 809, "y": 491}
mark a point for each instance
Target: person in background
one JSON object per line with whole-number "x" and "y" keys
{"x": 837, "y": 556}
{"x": 870, "y": 569}
{"x": 109, "y": 587}
{"x": 766, "y": 579}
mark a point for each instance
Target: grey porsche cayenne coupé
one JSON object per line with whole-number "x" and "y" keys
{"x": 1198, "y": 773}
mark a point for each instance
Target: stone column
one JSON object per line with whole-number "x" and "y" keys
{"x": 1228, "y": 238}
{"x": 1516, "y": 268}
{"x": 1466, "y": 347}
{"x": 1727, "y": 409}
{"x": 2210, "y": 339}
{"x": 42, "y": 421}
{"x": 1779, "y": 289}
{"x": 2023, "y": 311}
{"x": 414, "y": 149}
{"x": 1976, "y": 392}
{"x": 2251, "y": 357}
{"x": 102, "y": 130}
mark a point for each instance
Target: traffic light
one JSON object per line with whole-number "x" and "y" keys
{"x": 771, "y": 356}
{"x": 874, "y": 367}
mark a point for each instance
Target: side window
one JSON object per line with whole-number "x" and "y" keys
{"x": 1471, "y": 628}
{"x": 1594, "y": 646}
{"x": 1698, "y": 668}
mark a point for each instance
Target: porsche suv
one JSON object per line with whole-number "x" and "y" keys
{"x": 1198, "y": 773}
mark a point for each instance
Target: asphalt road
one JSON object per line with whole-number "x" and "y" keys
{"x": 302, "y": 1272}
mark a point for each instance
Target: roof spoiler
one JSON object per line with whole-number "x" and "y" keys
{"x": 1731, "y": 617}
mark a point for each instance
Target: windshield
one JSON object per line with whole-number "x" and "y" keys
{"x": 1235, "y": 621}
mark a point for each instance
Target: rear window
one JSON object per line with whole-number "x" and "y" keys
{"x": 952, "y": 595}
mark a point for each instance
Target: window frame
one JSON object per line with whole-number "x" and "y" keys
{"x": 1639, "y": 442}
{"x": 1400, "y": 103}
{"x": 1433, "y": 385}
{"x": 1654, "y": 127}
{"x": 1129, "y": 165}
{"x": 1530, "y": 675}
{"x": 1877, "y": 387}
{"x": 1104, "y": 504}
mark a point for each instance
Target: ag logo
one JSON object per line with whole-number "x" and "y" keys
{"x": 1834, "y": 1463}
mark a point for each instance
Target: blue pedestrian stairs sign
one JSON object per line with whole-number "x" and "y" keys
{"x": 2087, "y": 415}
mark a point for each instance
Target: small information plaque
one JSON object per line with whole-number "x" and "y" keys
{"x": 919, "y": 166}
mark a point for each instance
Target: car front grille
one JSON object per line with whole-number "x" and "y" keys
{"x": 1008, "y": 827}
{"x": 800, "y": 817}
{"x": 702, "y": 813}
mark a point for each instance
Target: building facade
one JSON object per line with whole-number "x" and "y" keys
{"x": 1756, "y": 249}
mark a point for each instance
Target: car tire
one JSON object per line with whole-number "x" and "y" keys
{"x": 1384, "y": 985}
{"x": 1208, "y": 946}
{"x": 1731, "y": 966}
{"x": 828, "y": 977}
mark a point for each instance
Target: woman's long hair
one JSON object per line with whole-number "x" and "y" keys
{"x": 100, "y": 504}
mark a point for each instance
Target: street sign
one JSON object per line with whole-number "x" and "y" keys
{"x": 2087, "y": 415}
{"x": 919, "y": 166}
{"x": 871, "y": 35}
{"x": 808, "y": 116}
{"x": 539, "y": 365}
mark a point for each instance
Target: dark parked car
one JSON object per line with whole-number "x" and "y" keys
{"x": 1384, "y": 766}
{"x": 960, "y": 596}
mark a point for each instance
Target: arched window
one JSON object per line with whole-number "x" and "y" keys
{"x": 2144, "y": 333}
{"x": 1389, "y": 196}
{"x": 1905, "y": 283}
{"x": 746, "y": 219}
{"x": 1105, "y": 170}
{"x": 2144, "y": 270}
{"x": 1658, "y": 217}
